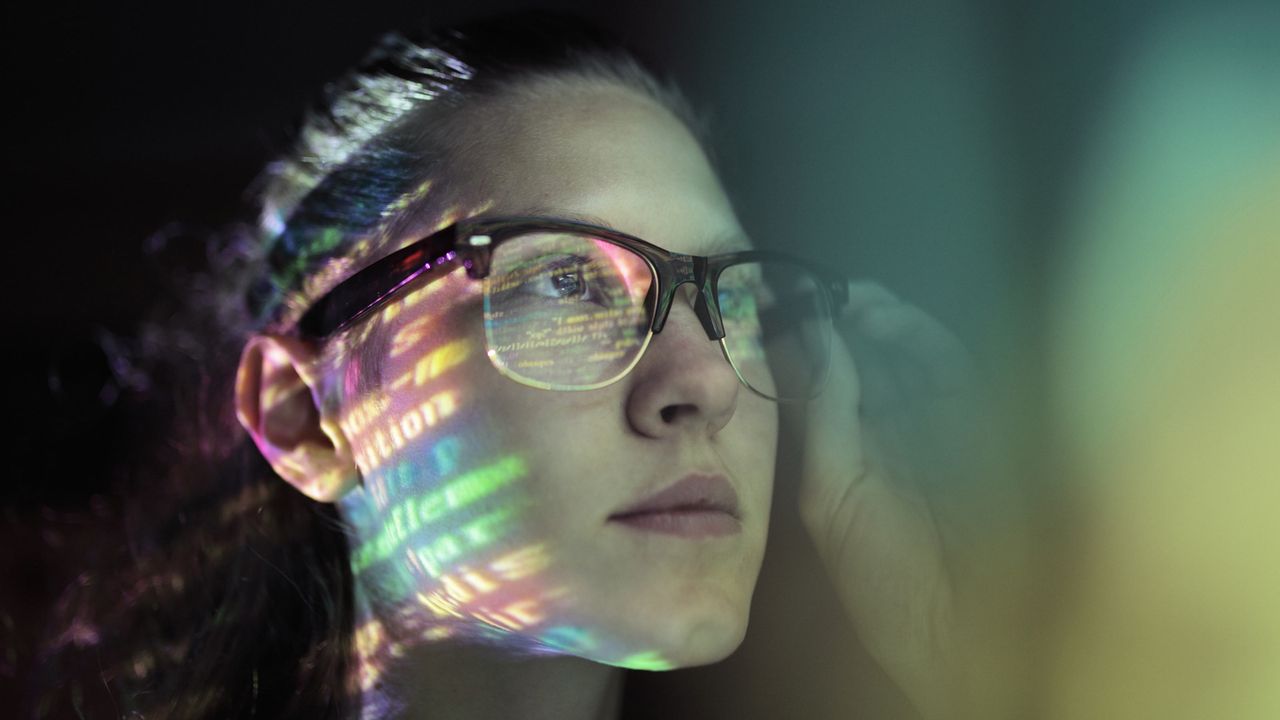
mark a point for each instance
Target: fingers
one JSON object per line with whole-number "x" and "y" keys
{"x": 902, "y": 397}
{"x": 925, "y": 419}
{"x": 833, "y": 447}
{"x": 939, "y": 359}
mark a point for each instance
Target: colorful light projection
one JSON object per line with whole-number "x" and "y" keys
{"x": 440, "y": 537}
{"x": 413, "y": 515}
{"x": 565, "y": 310}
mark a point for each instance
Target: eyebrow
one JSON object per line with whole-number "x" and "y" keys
{"x": 718, "y": 244}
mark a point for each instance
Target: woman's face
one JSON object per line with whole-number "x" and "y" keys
{"x": 488, "y": 508}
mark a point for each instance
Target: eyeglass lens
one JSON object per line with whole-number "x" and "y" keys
{"x": 777, "y": 328}
{"x": 568, "y": 311}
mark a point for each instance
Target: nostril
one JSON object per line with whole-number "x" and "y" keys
{"x": 672, "y": 412}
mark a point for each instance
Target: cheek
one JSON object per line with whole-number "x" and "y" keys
{"x": 440, "y": 481}
{"x": 755, "y": 435}
{"x": 572, "y": 445}
{"x": 445, "y": 534}
{"x": 418, "y": 400}
{"x": 751, "y": 456}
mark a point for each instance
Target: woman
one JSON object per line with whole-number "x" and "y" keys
{"x": 532, "y": 428}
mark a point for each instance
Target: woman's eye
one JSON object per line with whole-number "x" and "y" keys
{"x": 564, "y": 278}
{"x": 568, "y": 284}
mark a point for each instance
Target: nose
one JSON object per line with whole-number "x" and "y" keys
{"x": 683, "y": 384}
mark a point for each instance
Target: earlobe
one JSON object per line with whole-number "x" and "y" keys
{"x": 277, "y": 402}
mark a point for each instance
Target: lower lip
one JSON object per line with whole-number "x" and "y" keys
{"x": 684, "y": 523}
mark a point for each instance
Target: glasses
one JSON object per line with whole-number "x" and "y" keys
{"x": 573, "y": 306}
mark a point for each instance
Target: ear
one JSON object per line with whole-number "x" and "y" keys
{"x": 278, "y": 395}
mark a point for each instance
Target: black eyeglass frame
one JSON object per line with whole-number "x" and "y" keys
{"x": 471, "y": 242}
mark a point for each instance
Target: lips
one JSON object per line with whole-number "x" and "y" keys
{"x": 696, "y": 493}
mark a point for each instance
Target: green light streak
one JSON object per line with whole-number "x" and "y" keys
{"x": 645, "y": 661}
{"x": 408, "y": 517}
{"x": 475, "y": 535}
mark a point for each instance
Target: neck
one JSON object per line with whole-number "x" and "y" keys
{"x": 448, "y": 679}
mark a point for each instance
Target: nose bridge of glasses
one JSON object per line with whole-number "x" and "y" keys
{"x": 690, "y": 270}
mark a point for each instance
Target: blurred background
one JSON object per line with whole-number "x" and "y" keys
{"x": 1085, "y": 192}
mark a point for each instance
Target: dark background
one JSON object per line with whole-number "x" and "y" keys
{"x": 928, "y": 146}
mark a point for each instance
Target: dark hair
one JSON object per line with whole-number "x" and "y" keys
{"x": 233, "y": 596}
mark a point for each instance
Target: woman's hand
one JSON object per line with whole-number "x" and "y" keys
{"x": 880, "y": 445}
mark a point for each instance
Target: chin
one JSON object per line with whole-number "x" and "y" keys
{"x": 709, "y": 642}
{"x": 659, "y": 637}
{"x": 680, "y": 640}
{"x": 660, "y": 614}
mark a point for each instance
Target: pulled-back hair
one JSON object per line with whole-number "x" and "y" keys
{"x": 233, "y": 595}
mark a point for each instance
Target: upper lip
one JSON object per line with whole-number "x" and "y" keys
{"x": 696, "y": 491}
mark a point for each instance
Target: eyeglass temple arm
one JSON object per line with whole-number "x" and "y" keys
{"x": 426, "y": 257}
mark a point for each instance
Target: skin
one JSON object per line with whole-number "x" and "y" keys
{"x": 636, "y": 599}
{"x": 556, "y": 465}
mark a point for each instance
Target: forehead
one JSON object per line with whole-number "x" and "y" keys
{"x": 596, "y": 152}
